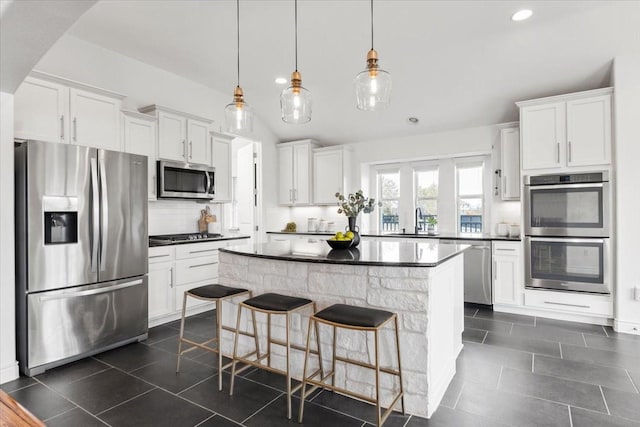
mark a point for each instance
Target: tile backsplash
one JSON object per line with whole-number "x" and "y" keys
{"x": 178, "y": 216}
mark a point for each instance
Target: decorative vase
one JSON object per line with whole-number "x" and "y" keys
{"x": 354, "y": 229}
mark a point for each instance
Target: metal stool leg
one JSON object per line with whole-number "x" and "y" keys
{"x": 304, "y": 369}
{"x": 184, "y": 308}
{"x": 288, "y": 367}
{"x": 399, "y": 364}
{"x": 235, "y": 352}
{"x": 333, "y": 359}
{"x": 377, "y": 357}
{"x": 219, "y": 336}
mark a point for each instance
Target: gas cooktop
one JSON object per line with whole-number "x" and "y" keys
{"x": 168, "y": 239}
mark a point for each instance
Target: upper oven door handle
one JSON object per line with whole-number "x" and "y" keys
{"x": 561, "y": 186}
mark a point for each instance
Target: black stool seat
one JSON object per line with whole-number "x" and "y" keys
{"x": 276, "y": 302}
{"x": 350, "y": 315}
{"x": 215, "y": 291}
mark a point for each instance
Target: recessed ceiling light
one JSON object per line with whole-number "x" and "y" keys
{"x": 413, "y": 120}
{"x": 281, "y": 80}
{"x": 521, "y": 15}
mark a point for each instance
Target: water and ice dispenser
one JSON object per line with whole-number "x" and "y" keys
{"x": 60, "y": 220}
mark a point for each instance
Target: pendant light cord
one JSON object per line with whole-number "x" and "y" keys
{"x": 371, "y": 24}
{"x": 238, "y": 35}
{"x": 296, "y": 24}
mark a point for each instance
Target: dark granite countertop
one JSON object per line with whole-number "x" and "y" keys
{"x": 446, "y": 236}
{"x": 182, "y": 242}
{"x": 394, "y": 253}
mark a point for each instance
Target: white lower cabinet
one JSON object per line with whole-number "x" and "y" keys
{"x": 508, "y": 281}
{"x": 570, "y": 302}
{"x": 176, "y": 269}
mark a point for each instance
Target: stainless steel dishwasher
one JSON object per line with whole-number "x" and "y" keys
{"x": 477, "y": 270}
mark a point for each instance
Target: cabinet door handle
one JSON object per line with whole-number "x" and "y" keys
{"x": 568, "y": 305}
{"x": 159, "y": 256}
{"x": 62, "y": 127}
{"x": 505, "y": 250}
{"x": 190, "y": 149}
{"x": 290, "y": 195}
{"x": 495, "y": 272}
{"x": 202, "y": 265}
{"x": 170, "y": 277}
{"x": 75, "y": 128}
{"x": 203, "y": 250}
{"x": 153, "y": 187}
{"x": 558, "y": 152}
{"x": 295, "y": 194}
{"x": 183, "y": 150}
{"x": 569, "y": 151}
{"x": 504, "y": 186}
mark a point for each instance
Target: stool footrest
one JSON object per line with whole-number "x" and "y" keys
{"x": 367, "y": 365}
{"x": 203, "y": 345}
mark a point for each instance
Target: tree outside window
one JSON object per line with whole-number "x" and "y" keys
{"x": 389, "y": 196}
{"x": 426, "y": 188}
{"x": 470, "y": 197}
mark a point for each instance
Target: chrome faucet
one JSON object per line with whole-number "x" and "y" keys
{"x": 418, "y": 228}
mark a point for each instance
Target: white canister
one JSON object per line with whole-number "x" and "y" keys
{"x": 322, "y": 225}
{"x": 514, "y": 230}
{"x": 312, "y": 225}
{"x": 331, "y": 226}
{"x": 502, "y": 229}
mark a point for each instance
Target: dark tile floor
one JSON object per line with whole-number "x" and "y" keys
{"x": 514, "y": 371}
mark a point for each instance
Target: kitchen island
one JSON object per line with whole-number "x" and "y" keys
{"x": 421, "y": 281}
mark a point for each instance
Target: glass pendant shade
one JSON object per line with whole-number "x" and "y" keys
{"x": 238, "y": 114}
{"x": 373, "y": 86}
{"x": 295, "y": 102}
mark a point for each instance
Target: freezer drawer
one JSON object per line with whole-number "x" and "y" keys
{"x": 83, "y": 320}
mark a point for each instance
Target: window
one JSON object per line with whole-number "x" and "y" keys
{"x": 389, "y": 196}
{"x": 426, "y": 191}
{"x": 470, "y": 197}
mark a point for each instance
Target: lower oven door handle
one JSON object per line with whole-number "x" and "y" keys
{"x": 566, "y": 239}
{"x": 91, "y": 291}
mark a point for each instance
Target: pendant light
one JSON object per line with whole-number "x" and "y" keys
{"x": 295, "y": 101}
{"x": 238, "y": 114}
{"x": 373, "y": 85}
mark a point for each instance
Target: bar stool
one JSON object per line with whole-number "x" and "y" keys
{"x": 217, "y": 294}
{"x": 272, "y": 304}
{"x": 355, "y": 319}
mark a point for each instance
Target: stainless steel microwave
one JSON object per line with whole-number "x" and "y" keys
{"x": 185, "y": 181}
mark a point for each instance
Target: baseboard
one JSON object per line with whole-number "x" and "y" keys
{"x": 626, "y": 327}
{"x": 572, "y": 317}
{"x": 157, "y": 321}
{"x": 9, "y": 373}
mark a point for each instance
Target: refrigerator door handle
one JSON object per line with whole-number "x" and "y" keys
{"x": 95, "y": 206}
{"x": 91, "y": 291}
{"x": 105, "y": 213}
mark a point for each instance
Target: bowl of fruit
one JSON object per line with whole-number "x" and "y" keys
{"x": 341, "y": 240}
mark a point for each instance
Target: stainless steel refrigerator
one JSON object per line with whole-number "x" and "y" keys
{"x": 81, "y": 252}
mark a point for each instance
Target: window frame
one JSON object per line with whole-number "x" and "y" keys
{"x": 468, "y": 163}
{"x": 426, "y": 167}
{"x": 383, "y": 170}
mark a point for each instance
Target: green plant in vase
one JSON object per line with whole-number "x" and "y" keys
{"x": 432, "y": 221}
{"x": 351, "y": 206}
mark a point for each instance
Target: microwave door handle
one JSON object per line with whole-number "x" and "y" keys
{"x": 95, "y": 206}
{"x": 206, "y": 174}
{"x": 105, "y": 213}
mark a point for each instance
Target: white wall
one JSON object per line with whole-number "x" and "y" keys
{"x": 626, "y": 79}
{"x": 143, "y": 85}
{"x": 8, "y": 364}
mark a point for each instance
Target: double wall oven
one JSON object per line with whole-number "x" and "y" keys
{"x": 567, "y": 232}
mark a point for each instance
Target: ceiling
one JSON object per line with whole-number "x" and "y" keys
{"x": 454, "y": 64}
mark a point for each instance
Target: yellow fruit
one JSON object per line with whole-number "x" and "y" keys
{"x": 349, "y": 235}
{"x": 339, "y": 235}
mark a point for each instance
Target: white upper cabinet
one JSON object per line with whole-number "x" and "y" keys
{"x": 140, "y": 138}
{"x": 295, "y": 172}
{"x": 54, "y": 109}
{"x": 330, "y": 173}
{"x": 589, "y": 131}
{"x": 566, "y": 131}
{"x": 95, "y": 120}
{"x": 41, "y": 111}
{"x": 542, "y": 135}
{"x": 221, "y": 160}
{"x": 510, "y": 164}
{"x": 182, "y": 137}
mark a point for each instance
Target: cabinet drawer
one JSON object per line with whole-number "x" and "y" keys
{"x": 161, "y": 254}
{"x": 506, "y": 248}
{"x": 594, "y": 305}
{"x": 196, "y": 270}
{"x": 195, "y": 250}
